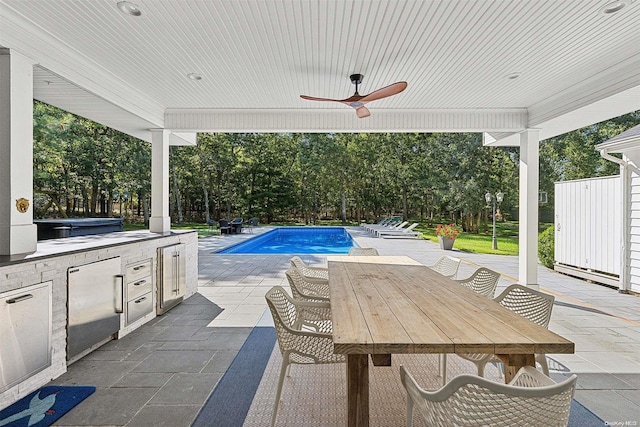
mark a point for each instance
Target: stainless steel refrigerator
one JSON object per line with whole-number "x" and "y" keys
{"x": 171, "y": 276}
{"x": 95, "y": 304}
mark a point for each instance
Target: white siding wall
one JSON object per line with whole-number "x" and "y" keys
{"x": 588, "y": 224}
{"x": 634, "y": 233}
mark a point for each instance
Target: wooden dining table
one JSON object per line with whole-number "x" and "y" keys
{"x": 385, "y": 305}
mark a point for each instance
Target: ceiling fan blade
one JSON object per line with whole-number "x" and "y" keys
{"x": 312, "y": 98}
{"x": 362, "y": 112}
{"x": 390, "y": 90}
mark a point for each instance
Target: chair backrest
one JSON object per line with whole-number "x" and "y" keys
{"x": 400, "y": 225}
{"x": 363, "y": 251}
{"x": 306, "y": 288}
{"x": 534, "y": 305}
{"x": 310, "y": 272}
{"x": 531, "y": 398}
{"x": 483, "y": 281}
{"x": 299, "y": 345}
{"x": 411, "y": 227}
{"x": 447, "y": 266}
{"x": 223, "y": 222}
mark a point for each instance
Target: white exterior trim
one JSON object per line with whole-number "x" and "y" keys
{"x": 18, "y": 234}
{"x": 528, "y": 216}
{"x": 323, "y": 120}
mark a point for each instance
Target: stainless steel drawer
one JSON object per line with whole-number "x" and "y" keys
{"x": 139, "y": 307}
{"x": 139, "y": 270}
{"x": 139, "y": 287}
{"x": 25, "y": 330}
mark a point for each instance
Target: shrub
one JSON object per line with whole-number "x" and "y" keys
{"x": 546, "y": 242}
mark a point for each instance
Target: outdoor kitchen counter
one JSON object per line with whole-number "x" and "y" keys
{"x": 60, "y": 247}
{"x": 49, "y": 266}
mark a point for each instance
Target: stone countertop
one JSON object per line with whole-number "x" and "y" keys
{"x": 57, "y": 247}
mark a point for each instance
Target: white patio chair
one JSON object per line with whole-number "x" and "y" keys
{"x": 296, "y": 345}
{"x": 391, "y": 226}
{"x": 403, "y": 232}
{"x": 363, "y": 252}
{"x": 483, "y": 281}
{"x": 534, "y": 305}
{"x": 307, "y": 271}
{"x": 306, "y": 288}
{"x": 447, "y": 266}
{"x": 530, "y": 399}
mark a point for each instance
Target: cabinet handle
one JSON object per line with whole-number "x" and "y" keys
{"x": 19, "y": 299}
{"x": 140, "y": 300}
{"x": 140, "y": 282}
{"x": 119, "y": 300}
{"x": 140, "y": 267}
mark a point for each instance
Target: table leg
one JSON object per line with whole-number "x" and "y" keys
{"x": 513, "y": 363}
{"x": 358, "y": 390}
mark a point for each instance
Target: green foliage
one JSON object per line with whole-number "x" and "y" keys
{"x": 546, "y": 247}
{"x": 83, "y": 168}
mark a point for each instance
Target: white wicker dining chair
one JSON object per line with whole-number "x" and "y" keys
{"x": 363, "y": 252}
{"x": 534, "y": 305}
{"x": 447, "y": 266}
{"x": 296, "y": 345}
{"x": 306, "y": 288}
{"x": 483, "y": 281}
{"x": 530, "y": 399}
{"x": 313, "y": 272}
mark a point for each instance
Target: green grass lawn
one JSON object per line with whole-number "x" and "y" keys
{"x": 506, "y": 233}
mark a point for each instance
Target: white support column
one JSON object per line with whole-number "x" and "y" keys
{"x": 160, "y": 221}
{"x": 18, "y": 234}
{"x": 528, "y": 213}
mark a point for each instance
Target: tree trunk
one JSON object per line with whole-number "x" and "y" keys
{"x": 176, "y": 192}
{"x": 344, "y": 208}
{"x": 405, "y": 209}
{"x": 145, "y": 208}
{"x": 228, "y": 198}
{"x": 207, "y": 217}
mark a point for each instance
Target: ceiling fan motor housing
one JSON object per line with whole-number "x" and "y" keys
{"x": 356, "y": 79}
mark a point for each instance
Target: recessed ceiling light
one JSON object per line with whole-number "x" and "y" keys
{"x": 129, "y": 8}
{"x": 614, "y": 7}
{"x": 194, "y": 76}
{"x": 513, "y": 76}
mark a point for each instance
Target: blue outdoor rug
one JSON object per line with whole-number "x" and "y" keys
{"x": 582, "y": 417}
{"x": 43, "y": 407}
{"x": 230, "y": 401}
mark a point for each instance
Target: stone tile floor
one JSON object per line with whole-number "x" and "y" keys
{"x": 162, "y": 373}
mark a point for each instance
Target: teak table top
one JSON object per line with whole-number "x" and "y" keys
{"x": 386, "y": 305}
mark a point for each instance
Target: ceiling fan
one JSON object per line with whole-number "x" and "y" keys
{"x": 357, "y": 101}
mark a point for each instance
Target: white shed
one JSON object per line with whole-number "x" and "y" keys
{"x": 627, "y": 143}
{"x": 588, "y": 228}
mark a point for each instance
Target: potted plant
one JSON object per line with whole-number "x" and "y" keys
{"x": 447, "y": 234}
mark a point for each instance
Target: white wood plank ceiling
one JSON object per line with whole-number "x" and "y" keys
{"x": 260, "y": 55}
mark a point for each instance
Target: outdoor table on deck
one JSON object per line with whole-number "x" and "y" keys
{"x": 383, "y": 305}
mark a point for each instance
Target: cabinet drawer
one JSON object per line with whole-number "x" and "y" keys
{"x": 139, "y": 307}
{"x": 139, "y": 287}
{"x": 138, "y": 270}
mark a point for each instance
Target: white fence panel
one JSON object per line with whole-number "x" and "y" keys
{"x": 588, "y": 224}
{"x": 634, "y": 234}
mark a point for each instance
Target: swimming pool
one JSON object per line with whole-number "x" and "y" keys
{"x": 296, "y": 241}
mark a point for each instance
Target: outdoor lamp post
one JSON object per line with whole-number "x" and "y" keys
{"x": 497, "y": 198}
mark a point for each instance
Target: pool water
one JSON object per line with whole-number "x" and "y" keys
{"x": 296, "y": 241}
